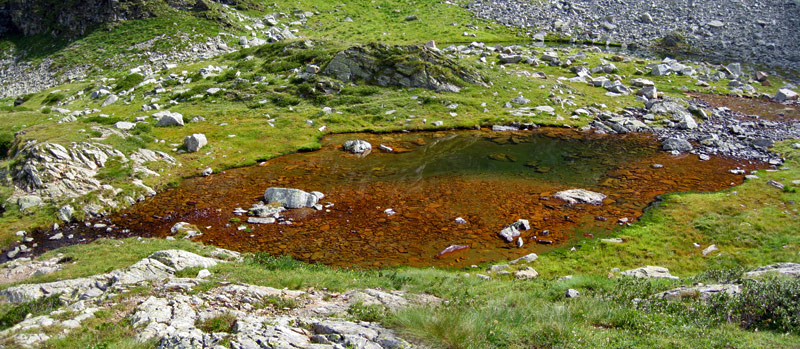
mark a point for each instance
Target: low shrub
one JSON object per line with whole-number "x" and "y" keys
{"x": 768, "y": 304}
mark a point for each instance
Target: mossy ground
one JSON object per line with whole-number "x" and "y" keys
{"x": 752, "y": 224}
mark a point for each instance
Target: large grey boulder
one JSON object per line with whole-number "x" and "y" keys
{"x": 574, "y": 196}
{"x": 110, "y": 100}
{"x": 784, "y": 95}
{"x": 649, "y": 272}
{"x": 124, "y": 125}
{"x": 28, "y": 201}
{"x": 194, "y": 142}
{"x": 649, "y": 92}
{"x": 167, "y": 118}
{"x": 404, "y": 66}
{"x": 290, "y": 198}
{"x": 179, "y": 259}
{"x": 527, "y": 258}
{"x": 686, "y": 122}
{"x": 65, "y": 213}
{"x": 509, "y": 59}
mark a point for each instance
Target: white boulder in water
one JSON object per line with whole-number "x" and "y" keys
{"x": 574, "y": 196}
{"x": 357, "y": 146}
{"x": 290, "y": 198}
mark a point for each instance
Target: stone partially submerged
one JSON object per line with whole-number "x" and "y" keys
{"x": 290, "y": 198}
{"x": 512, "y": 231}
{"x": 357, "y": 146}
{"x": 575, "y": 196}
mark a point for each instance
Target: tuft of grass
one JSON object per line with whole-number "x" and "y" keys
{"x": 279, "y": 303}
{"x": 20, "y": 312}
{"x": 114, "y": 170}
{"x": 222, "y": 323}
{"x": 53, "y": 98}
{"x": 368, "y": 312}
{"x": 6, "y": 142}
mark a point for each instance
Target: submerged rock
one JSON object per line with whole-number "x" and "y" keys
{"x": 451, "y": 249}
{"x": 290, "y": 198}
{"x": 574, "y": 196}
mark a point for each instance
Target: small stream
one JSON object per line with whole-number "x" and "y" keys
{"x": 490, "y": 179}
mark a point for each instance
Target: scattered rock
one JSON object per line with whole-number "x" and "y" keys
{"x": 571, "y": 293}
{"x": 676, "y": 144}
{"x": 775, "y": 184}
{"x": 29, "y": 201}
{"x": 710, "y": 249}
{"x": 784, "y": 95}
{"x": 167, "y": 118}
{"x": 194, "y": 142}
{"x": 527, "y": 259}
{"x": 526, "y": 274}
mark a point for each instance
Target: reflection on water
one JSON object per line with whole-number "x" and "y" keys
{"x": 490, "y": 179}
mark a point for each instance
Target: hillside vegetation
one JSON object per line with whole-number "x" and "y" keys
{"x": 256, "y": 79}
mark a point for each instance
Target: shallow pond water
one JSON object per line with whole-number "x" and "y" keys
{"x": 490, "y": 179}
{"x": 764, "y": 108}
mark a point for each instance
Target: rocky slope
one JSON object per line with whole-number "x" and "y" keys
{"x": 32, "y": 17}
{"x": 761, "y": 32}
{"x": 173, "y": 313}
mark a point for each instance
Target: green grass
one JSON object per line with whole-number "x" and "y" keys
{"x": 17, "y": 313}
{"x": 752, "y": 224}
{"x": 220, "y": 323}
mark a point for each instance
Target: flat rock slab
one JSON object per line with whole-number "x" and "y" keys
{"x": 704, "y": 292}
{"x": 575, "y": 196}
{"x": 650, "y": 272}
{"x": 783, "y": 269}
